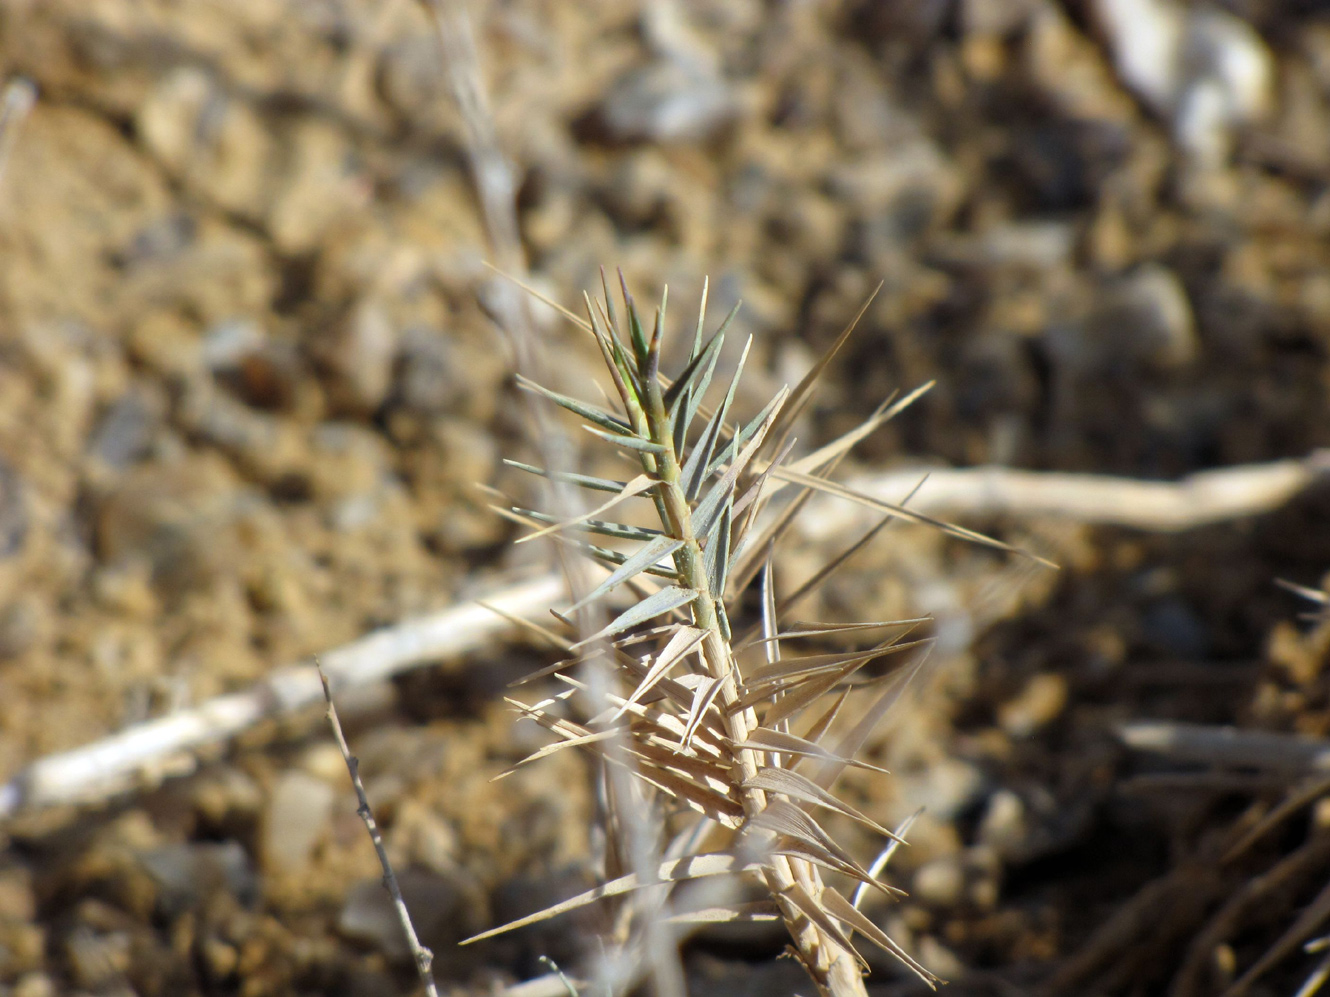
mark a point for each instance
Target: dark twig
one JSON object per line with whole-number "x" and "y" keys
{"x": 424, "y": 958}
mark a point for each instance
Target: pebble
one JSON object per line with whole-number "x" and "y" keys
{"x": 442, "y": 913}
{"x": 668, "y": 100}
{"x": 1040, "y": 703}
{"x": 1147, "y": 318}
{"x": 228, "y": 344}
{"x": 1004, "y": 827}
{"x": 96, "y": 958}
{"x": 299, "y": 808}
{"x": 188, "y": 872}
{"x": 944, "y": 788}
{"x": 13, "y": 511}
{"x": 911, "y": 187}
{"x": 124, "y": 433}
{"x": 1210, "y": 71}
{"x": 940, "y": 883}
{"x": 360, "y": 357}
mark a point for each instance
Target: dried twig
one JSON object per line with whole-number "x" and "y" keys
{"x": 1231, "y": 747}
{"x": 422, "y": 956}
{"x": 145, "y": 752}
{"x": 1165, "y": 506}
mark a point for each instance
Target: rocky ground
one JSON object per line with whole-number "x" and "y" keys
{"x": 249, "y": 380}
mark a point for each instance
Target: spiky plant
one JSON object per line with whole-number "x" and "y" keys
{"x": 705, "y": 717}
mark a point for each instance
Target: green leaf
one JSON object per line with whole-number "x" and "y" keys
{"x": 636, "y": 333}
{"x": 570, "y": 478}
{"x": 746, "y": 433}
{"x": 628, "y": 442}
{"x": 605, "y": 420}
{"x": 652, "y": 552}
{"x": 696, "y": 376}
{"x": 652, "y": 370}
{"x": 637, "y": 486}
{"x": 664, "y": 601}
{"x": 617, "y": 557}
{"x": 716, "y": 554}
{"x": 619, "y": 530}
{"x": 708, "y": 509}
{"x": 695, "y": 468}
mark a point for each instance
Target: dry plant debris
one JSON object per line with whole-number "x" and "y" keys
{"x": 710, "y": 721}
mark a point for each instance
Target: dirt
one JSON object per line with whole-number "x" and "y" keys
{"x": 249, "y": 381}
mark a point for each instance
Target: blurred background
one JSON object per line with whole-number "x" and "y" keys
{"x": 250, "y": 375}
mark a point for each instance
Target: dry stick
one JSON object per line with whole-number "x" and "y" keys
{"x": 493, "y": 179}
{"x": 144, "y": 752}
{"x": 1164, "y": 506}
{"x": 422, "y": 956}
{"x": 1199, "y": 744}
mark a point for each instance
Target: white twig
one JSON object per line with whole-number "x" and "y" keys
{"x": 1164, "y": 506}
{"x": 423, "y": 957}
{"x": 1198, "y": 744}
{"x": 145, "y": 752}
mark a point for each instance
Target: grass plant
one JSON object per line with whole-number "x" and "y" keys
{"x": 730, "y": 725}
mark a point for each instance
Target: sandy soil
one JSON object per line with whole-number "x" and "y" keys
{"x": 248, "y": 382}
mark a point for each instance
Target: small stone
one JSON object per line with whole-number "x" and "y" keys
{"x": 994, "y": 17}
{"x": 944, "y": 788}
{"x": 360, "y": 357}
{"x": 13, "y": 511}
{"x": 430, "y": 378}
{"x": 124, "y": 434}
{"x": 172, "y": 517}
{"x": 1041, "y": 702}
{"x": 96, "y": 958}
{"x": 1004, "y": 826}
{"x": 1151, "y": 318}
{"x": 299, "y": 808}
{"x": 940, "y": 883}
{"x": 668, "y": 101}
{"x": 188, "y": 872}
{"x": 939, "y": 959}
{"x": 900, "y": 192}
{"x": 1038, "y": 245}
{"x": 227, "y": 345}
{"x": 324, "y": 761}
{"x": 443, "y": 913}
{"x": 323, "y": 187}
{"x": 1207, "y": 69}
{"x": 35, "y": 985}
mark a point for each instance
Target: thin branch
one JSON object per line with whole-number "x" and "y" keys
{"x": 1164, "y": 506}
{"x": 422, "y": 956}
{"x": 145, "y": 753}
{"x": 1231, "y": 747}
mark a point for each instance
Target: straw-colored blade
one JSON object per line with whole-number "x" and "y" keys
{"x": 674, "y": 871}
